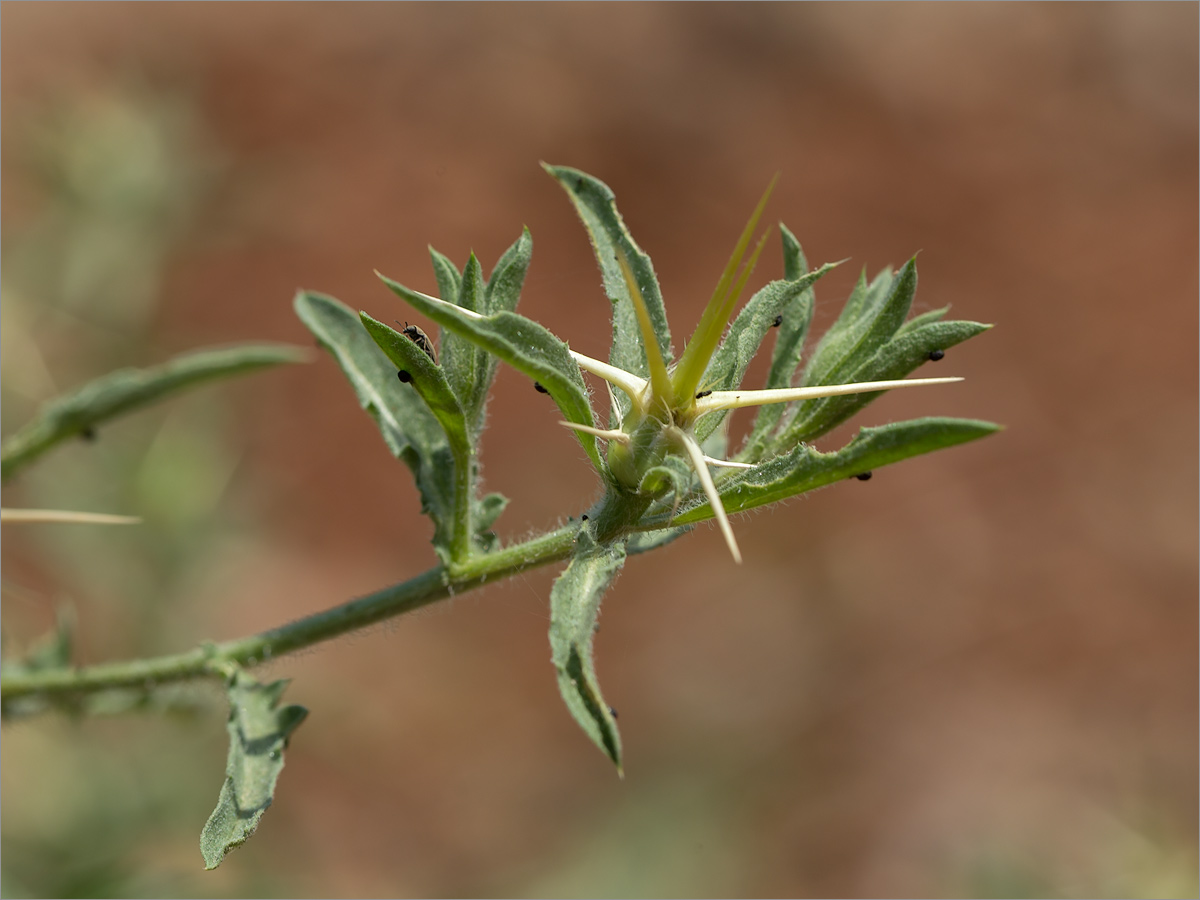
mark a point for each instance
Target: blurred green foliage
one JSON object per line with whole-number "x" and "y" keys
{"x": 108, "y": 186}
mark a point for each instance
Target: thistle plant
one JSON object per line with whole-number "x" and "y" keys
{"x": 659, "y": 449}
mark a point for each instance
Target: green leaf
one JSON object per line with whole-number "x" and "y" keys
{"x": 469, "y": 369}
{"x": 454, "y": 354}
{"x": 746, "y": 334}
{"x": 870, "y": 318}
{"x": 427, "y": 378}
{"x": 526, "y": 346}
{"x": 574, "y": 609}
{"x": 487, "y": 511}
{"x": 596, "y": 205}
{"x": 898, "y": 357}
{"x": 465, "y": 364}
{"x": 795, "y": 263}
{"x": 789, "y": 347}
{"x": 78, "y": 412}
{"x": 508, "y": 277}
{"x": 258, "y": 733}
{"x": 409, "y": 429}
{"x": 449, "y": 279}
{"x": 429, "y": 381}
{"x": 52, "y": 650}
{"x": 925, "y": 318}
{"x": 806, "y": 468}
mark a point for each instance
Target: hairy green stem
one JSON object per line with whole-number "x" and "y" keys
{"x": 462, "y": 544}
{"x": 213, "y": 660}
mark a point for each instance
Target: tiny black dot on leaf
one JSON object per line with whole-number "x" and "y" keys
{"x": 778, "y": 321}
{"x": 863, "y": 476}
{"x": 404, "y": 376}
{"x": 935, "y": 355}
{"x": 612, "y": 712}
{"x": 540, "y": 388}
{"x": 88, "y": 433}
{"x": 583, "y": 518}
{"x": 703, "y": 394}
{"x": 579, "y": 184}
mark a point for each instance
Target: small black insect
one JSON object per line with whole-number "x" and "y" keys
{"x": 88, "y": 433}
{"x": 579, "y": 184}
{"x": 537, "y": 386}
{"x": 778, "y": 321}
{"x": 703, "y": 394}
{"x": 863, "y": 476}
{"x": 935, "y": 355}
{"x": 612, "y": 712}
{"x": 583, "y": 518}
{"x": 420, "y": 338}
{"x": 404, "y": 376}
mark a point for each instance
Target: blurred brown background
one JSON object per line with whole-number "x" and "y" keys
{"x": 974, "y": 675}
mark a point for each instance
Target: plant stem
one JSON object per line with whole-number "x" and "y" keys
{"x": 462, "y": 545}
{"x": 213, "y": 660}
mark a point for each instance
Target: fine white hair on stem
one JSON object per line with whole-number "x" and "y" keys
{"x": 696, "y": 455}
{"x": 738, "y": 399}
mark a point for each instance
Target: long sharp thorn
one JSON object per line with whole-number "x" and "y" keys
{"x": 697, "y": 457}
{"x": 65, "y": 516}
{"x": 738, "y": 399}
{"x": 727, "y": 464}
{"x": 628, "y": 382}
{"x": 602, "y": 433}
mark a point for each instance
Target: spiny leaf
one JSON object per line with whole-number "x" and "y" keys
{"x": 79, "y": 411}
{"x": 455, "y": 355}
{"x": 596, "y": 205}
{"x": 869, "y": 320}
{"x": 470, "y": 370}
{"x": 408, "y": 427}
{"x": 746, "y": 335}
{"x": 426, "y": 377}
{"x": 449, "y": 279}
{"x": 508, "y": 277}
{"x": 925, "y": 318}
{"x": 258, "y": 733}
{"x": 794, "y": 321}
{"x": 904, "y": 353}
{"x": 805, "y": 468}
{"x": 467, "y": 366}
{"x": 574, "y": 609}
{"x": 526, "y": 346}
